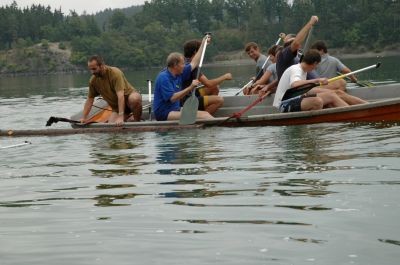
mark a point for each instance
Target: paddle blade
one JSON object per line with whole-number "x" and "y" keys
{"x": 51, "y": 120}
{"x": 57, "y": 119}
{"x": 297, "y": 91}
{"x": 189, "y": 111}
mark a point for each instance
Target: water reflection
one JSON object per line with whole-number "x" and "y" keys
{"x": 180, "y": 151}
{"x": 34, "y": 203}
{"x": 107, "y": 200}
{"x": 255, "y": 222}
{"x": 390, "y": 241}
{"x": 117, "y": 142}
{"x": 204, "y": 193}
{"x": 191, "y": 231}
{"x": 108, "y": 150}
{"x": 116, "y": 186}
{"x": 182, "y": 203}
{"x": 305, "y": 207}
{"x": 191, "y": 182}
{"x": 186, "y": 148}
{"x": 111, "y": 173}
{"x": 307, "y": 240}
{"x": 114, "y": 156}
{"x": 304, "y": 187}
{"x": 306, "y": 148}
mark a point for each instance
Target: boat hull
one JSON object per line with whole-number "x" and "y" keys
{"x": 382, "y": 111}
{"x": 379, "y": 111}
{"x": 384, "y": 106}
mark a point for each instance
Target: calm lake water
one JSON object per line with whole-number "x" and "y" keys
{"x": 315, "y": 194}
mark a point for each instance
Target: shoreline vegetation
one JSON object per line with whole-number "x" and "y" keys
{"x": 39, "y": 40}
{"x": 55, "y": 58}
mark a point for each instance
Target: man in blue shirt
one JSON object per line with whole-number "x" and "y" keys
{"x": 169, "y": 86}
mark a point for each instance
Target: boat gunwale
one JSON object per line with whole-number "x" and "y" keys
{"x": 259, "y": 117}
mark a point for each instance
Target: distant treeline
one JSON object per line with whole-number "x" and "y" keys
{"x": 143, "y": 36}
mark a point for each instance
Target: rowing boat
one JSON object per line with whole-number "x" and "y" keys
{"x": 383, "y": 106}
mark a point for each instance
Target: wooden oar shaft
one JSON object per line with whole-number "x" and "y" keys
{"x": 354, "y": 72}
{"x": 149, "y": 86}
{"x": 190, "y": 107}
{"x": 266, "y": 61}
{"x": 246, "y": 85}
{"x": 300, "y": 90}
{"x": 307, "y": 44}
{"x": 240, "y": 113}
{"x": 258, "y": 100}
{"x": 58, "y": 132}
{"x": 203, "y": 52}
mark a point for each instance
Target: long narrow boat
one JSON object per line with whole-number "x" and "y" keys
{"x": 383, "y": 106}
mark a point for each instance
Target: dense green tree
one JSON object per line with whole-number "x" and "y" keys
{"x": 117, "y": 20}
{"x": 145, "y": 35}
{"x": 238, "y": 11}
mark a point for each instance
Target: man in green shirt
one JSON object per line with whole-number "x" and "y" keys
{"x": 111, "y": 84}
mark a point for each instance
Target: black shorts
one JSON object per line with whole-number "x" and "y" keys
{"x": 127, "y": 109}
{"x": 293, "y": 104}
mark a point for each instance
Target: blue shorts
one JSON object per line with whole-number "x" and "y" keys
{"x": 293, "y": 104}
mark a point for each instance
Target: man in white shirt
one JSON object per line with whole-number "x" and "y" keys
{"x": 296, "y": 76}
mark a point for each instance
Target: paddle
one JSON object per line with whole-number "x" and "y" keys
{"x": 308, "y": 43}
{"x": 362, "y": 83}
{"x": 53, "y": 119}
{"x": 239, "y": 114}
{"x": 190, "y": 108}
{"x": 260, "y": 72}
{"x": 300, "y": 90}
{"x": 15, "y": 145}
{"x": 149, "y": 86}
{"x": 365, "y": 83}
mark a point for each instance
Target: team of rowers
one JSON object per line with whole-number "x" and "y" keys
{"x": 284, "y": 70}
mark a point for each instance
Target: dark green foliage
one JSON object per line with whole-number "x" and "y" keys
{"x": 143, "y": 36}
{"x": 62, "y": 46}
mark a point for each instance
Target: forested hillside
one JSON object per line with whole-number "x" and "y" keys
{"x": 144, "y": 36}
